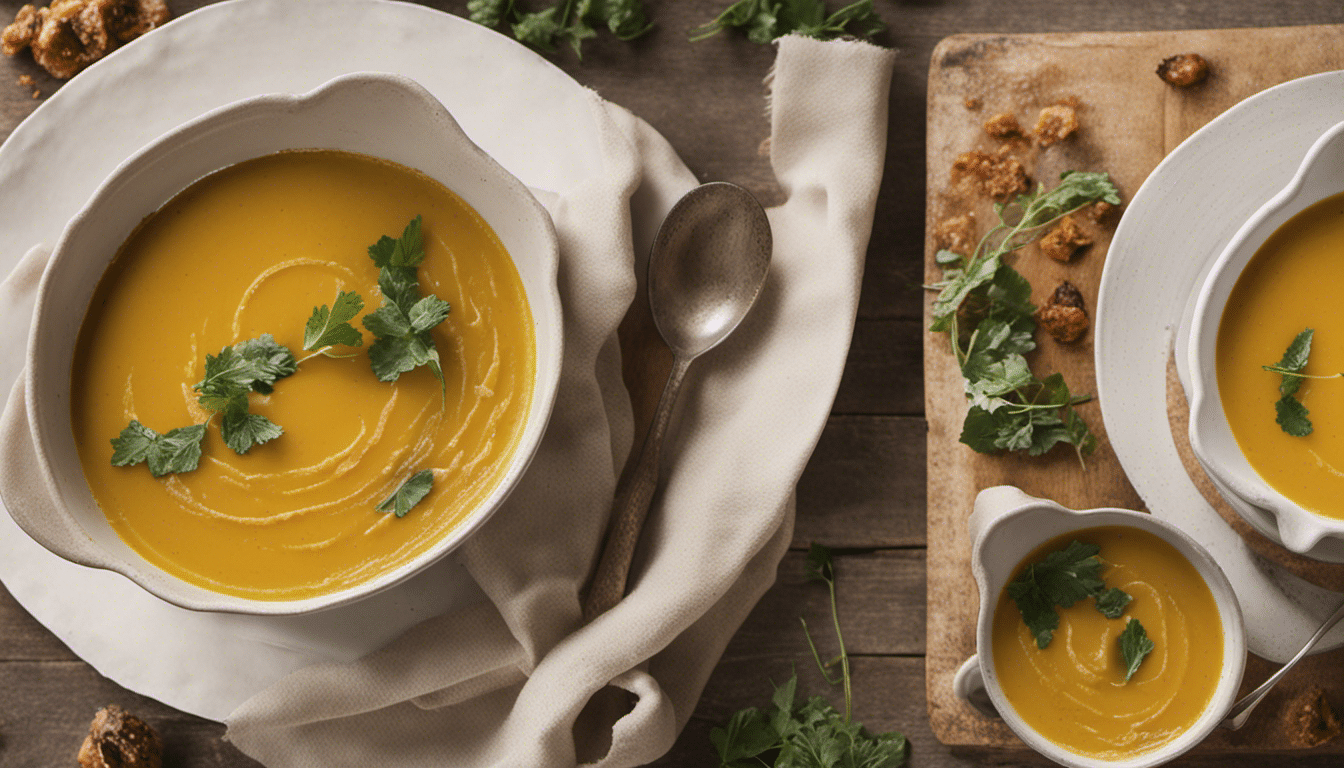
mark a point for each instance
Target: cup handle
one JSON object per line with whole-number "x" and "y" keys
{"x": 995, "y": 502}
{"x": 969, "y": 686}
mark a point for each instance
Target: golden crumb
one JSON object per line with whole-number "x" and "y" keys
{"x": 1064, "y": 316}
{"x": 69, "y": 35}
{"x": 118, "y": 739}
{"x": 1064, "y": 240}
{"x": 1003, "y": 126}
{"x": 1073, "y": 102}
{"x": 1311, "y": 722}
{"x": 1183, "y": 70}
{"x": 973, "y": 103}
{"x": 956, "y": 234}
{"x": 1055, "y": 124}
{"x": 26, "y": 81}
{"x": 1001, "y": 177}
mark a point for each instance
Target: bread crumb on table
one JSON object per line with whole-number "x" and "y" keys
{"x": 118, "y": 739}
{"x": 1183, "y": 70}
{"x": 1310, "y": 720}
{"x": 999, "y": 176}
{"x": 973, "y": 103}
{"x": 1062, "y": 242}
{"x": 1055, "y": 124}
{"x": 1064, "y": 317}
{"x": 69, "y": 35}
{"x": 956, "y": 234}
{"x": 1003, "y": 126}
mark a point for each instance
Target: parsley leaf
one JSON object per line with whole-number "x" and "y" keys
{"x": 1291, "y": 416}
{"x": 252, "y": 365}
{"x": 765, "y": 20}
{"x": 329, "y": 327}
{"x": 402, "y": 324}
{"x": 410, "y": 493}
{"x": 1135, "y": 645}
{"x": 791, "y": 735}
{"x": 1063, "y": 578}
{"x": 177, "y": 451}
{"x": 1112, "y": 602}
{"x": 1291, "y": 413}
{"x": 566, "y": 21}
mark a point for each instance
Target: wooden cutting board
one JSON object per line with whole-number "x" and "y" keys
{"x": 1129, "y": 121}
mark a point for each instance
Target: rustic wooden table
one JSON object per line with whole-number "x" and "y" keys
{"x": 863, "y": 493}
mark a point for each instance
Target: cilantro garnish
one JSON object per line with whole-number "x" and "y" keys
{"x": 1061, "y": 579}
{"x": 1291, "y": 413}
{"x": 1135, "y": 645}
{"x": 567, "y": 21}
{"x": 402, "y": 324}
{"x": 329, "y": 327}
{"x": 177, "y": 451}
{"x": 252, "y": 365}
{"x": 1011, "y": 408}
{"x": 765, "y": 20}
{"x": 812, "y": 733}
{"x": 409, "y": 494}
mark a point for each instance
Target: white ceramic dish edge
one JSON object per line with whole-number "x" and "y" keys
{"x": 999, "y": 544}
{"x": 528, "y": 226}
{"x": 1320, "y": 175}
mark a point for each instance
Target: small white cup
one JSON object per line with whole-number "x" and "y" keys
{"x": 1006, "y": 526}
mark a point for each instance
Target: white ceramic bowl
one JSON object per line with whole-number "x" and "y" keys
{"x": 349, "y": 113}
{"x": 1005, "y": 527}
{"x": 1320, "y": 175}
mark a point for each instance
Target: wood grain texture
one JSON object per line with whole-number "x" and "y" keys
{"x": 864, "y": 490}
{"x": 1130, "y": 121}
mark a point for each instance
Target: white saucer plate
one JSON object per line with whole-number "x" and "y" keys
{"x": 530, "y": 116}
{"x": 1171, "y": 232}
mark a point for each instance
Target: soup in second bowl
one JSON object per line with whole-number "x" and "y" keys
{"x": 251, "y": 251}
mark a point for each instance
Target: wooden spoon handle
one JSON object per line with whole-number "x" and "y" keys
{"x": 631, "y": 505}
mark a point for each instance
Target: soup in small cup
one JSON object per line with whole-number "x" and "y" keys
{"x": 289, "y": 354}
{"x": 1105, "y": 637}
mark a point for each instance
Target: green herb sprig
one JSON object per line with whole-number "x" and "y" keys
{"x": 410, "y": 493}
{"x": 1290, "y": 413}
{"x": 327, "y": 328}
{"x": 1063, "y": 578}
{"x": 1011, "y": 408}
{"x": 402, "y": 324}
{"x": 811, "y": 733}
{"x": 177, "y": 451}
{"x": 765, "y": 20}
{"x": 248, "y": 366}
{"x": 565, "y": 21}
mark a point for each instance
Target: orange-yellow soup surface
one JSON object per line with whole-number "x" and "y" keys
{"x": 1292, "y": 282}
{"x": 251, "y": 250}
{"x": 1074, "y": 693}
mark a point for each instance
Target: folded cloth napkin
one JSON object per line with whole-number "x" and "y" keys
{"x": 502, "y": 683}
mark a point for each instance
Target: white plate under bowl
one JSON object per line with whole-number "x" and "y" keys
{"x": 529, "y": 115}
{"x": 1172, "y": 230}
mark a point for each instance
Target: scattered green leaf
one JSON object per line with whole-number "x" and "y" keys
{"x": 1290, "y": 413}
{"x": 402, "y": 324}
{"x": 565, "y": 21}
{"x": 793, "y": 735}
{"x": 409, "y": 494}
{"x": 177, "y": 451}
{"x": 1135, "y": 645}
{"x": 1112, "y": 602}
{"x": 252, "y": 365}
{"x": 330, "y": 327}
{"x": 762, "y": 21}
{"x": 1010, "y": 408}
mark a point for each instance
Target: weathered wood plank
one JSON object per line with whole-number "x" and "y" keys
{"x": 22, "y": 638}
{"x": 863, "y": 488}
{"x": 882, "y": 374}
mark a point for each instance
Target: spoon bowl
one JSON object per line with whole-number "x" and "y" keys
{"x": 707, "y": 266}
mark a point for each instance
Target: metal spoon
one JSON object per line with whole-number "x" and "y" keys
{"x": 706, "y": 269}
{"x": 1241, "y": 711}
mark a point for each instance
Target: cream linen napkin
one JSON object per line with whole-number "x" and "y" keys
{"x": 501, "y": 684}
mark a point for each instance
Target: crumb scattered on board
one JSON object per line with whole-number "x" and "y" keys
{"x": 118, "y": 739}
{"x": 956, "y": 234}
{"x": 1000, "y": 176}
{"x": 1056, "y": 124}
{"x": 69, "y": 35}
{"x": 1183, "y": 70}
{"x": 1310, "y": 720}
{"x": 973, "y": 103}
{"x": 1064, "y": 316}
{"x": 1003, "y": 126}
{"x": 1064, "y": 240}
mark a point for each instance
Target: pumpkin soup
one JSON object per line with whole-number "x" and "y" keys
{"x": 253, "y": 250}
{"x": 1075, "y": 691}
{"x": 1291, "y": 283}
